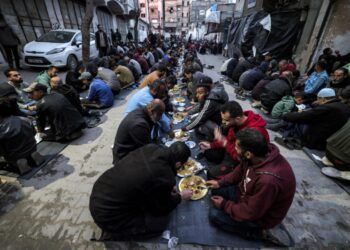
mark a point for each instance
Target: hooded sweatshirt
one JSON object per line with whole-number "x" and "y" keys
{"x": 253, "y": 121}
{"x": 210, "y": 109}
{"x": 266, "y": 190}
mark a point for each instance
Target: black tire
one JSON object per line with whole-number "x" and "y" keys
{"x": 72, "y": 62}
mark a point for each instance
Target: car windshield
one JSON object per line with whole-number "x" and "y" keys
{"x": 56, "y": 37}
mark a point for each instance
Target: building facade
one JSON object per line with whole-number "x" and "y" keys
{"x": 183, "y": 17}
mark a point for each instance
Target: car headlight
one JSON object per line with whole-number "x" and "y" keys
{"x": 55, "y": 51}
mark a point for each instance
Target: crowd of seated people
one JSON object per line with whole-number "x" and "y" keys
{"x": 307, "y": 110}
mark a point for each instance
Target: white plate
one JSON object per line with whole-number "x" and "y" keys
{"x": 199, "y": 168}
{"x": 190, "y": 144}
{"x": 181, "y": 109}
{"x": 181, "y": 104}
{"x": 177, "y": 131}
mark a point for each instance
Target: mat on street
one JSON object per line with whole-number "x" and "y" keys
{"x": 311, "y": 153}
{"x": 47, "y": 149}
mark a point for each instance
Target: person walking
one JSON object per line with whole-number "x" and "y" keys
{"x": 10, "y": 41}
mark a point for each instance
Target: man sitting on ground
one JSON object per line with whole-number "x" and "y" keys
{"x": 100, "y": 95}
{"x": 64, "y": 119}
{"x": 208, "y": 117}
{"x": 312, "y": 127}
{"x": 108, "y": 76}
{"x": 124, "y": 74}
{"x": 68, "y": 91}
{"x": 257, "y": 195}
{"x": 135, "y": 129}
{"x": 45, "y": 76}
{"x": 317, "y": 80}
{"x": 224, "y": 147}
{"x": 341, "y": 80}
{"x": 150, "y": 78}
{"x": 133, "y": 200}
{"x": 17, "y": 142}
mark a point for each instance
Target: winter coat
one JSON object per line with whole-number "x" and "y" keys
{"x": 210, "y": 108}
{"x": 139, "y": 184}
{"x": 231, "y": 67}
{"x": 62, "y": 116}
{"x": 254, "y": 121}
{"x": 339, "y": 143}
{"x": 322, "y": 121}
{"x": 16, "y": 138}
{"x": 274, "y": 91}
{"x": 266, "y": 190}
{"x": 283, "y": 107}
{"x": 250, "y": 78}
{"x": 133, "y": 132}
{"x": 125, "y": 75}
{"x": 242, "y": 66}
{"x": 44, "y": 78}
{"x": 72, "y": 96}
{"x": 8, "y": 37}
{"x": 97, "y": 38}
{"x": 110, "y": 78}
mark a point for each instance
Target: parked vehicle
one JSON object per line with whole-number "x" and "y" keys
{"x": 60, "y": 48}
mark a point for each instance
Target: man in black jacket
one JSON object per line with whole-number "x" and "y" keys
{"x": 135, "y": 129}
{"x": 101, "y": 41}
{"x": 314, "y": 126}
{"x": 210, "y": 97}
{"x": 133, "y": 200}
{"x": 275, "y": 90}
{"x": 64, "y": 119}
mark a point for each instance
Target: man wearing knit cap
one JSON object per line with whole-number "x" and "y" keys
{"x": 314, "y": 126}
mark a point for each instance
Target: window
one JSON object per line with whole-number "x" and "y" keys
{"x": 142, "y": 5}
{"x": 152, "y": 10}
{"x": 143, "y": 15}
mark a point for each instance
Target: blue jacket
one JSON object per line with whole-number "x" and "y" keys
{"x": 316, "y": 82}
{"x": 100, "y": 91}
{"x": 140, "y": 100}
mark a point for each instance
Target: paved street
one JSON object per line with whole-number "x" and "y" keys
{"x": 50, "y": 211}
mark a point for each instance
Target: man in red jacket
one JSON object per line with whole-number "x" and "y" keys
{"x": 222, "y": 149}
{"x": 257, "y": 194}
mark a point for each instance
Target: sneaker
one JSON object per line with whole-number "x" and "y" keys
{"x": 256, "y": 104}
{"x": 23, "y": 166}
{"x": 278, "y": 236}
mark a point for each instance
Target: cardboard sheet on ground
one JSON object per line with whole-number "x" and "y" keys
{"x": 48, "y": 149}
{"x": 311, "y": 153}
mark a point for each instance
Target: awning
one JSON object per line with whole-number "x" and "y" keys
{"x": 115, "y": 7}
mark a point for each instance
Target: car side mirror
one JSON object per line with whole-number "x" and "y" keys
{"x": 77, "y": 43}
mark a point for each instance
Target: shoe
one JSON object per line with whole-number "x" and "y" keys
{"x": 278, "y": 236}
{"x": 23, "y": 166}
{"x": 326, "y": 162}
{"x": 256, "y": 104}
{"x": 37, "y": 158}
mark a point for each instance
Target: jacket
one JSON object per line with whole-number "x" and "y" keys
{"x": 322, "y": 121}
{"x": 44, "y": 78}
{"x": 72, "y": 96}
{"x": 242, "y": 66}
{"x": 125, "y": 76}
{"x": 133, "y": 132}
{"x": 98, "y": 41}
{"x": 99, "y": 91}
{"x": 143, "y": 63}
{"x": 210, "y": 108}
{"x": 8, "y": 37}
{"x": 16, "y": 138}
{"x": 316, "y": 82}
{"x": 62, "y": 116}
{"x": 254, "y": 121}
{"x": 284, "y": 106}
{"x": 265, "y": 192}
{"x": 251, "y": 77}
{"x": 339, "y": 143}
{"x": 274, "y": 91}
{"x": 139, "y": 184}
{"x": 110, "y": 78}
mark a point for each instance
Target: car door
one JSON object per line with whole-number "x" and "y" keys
{"x": 77, "y": 45}
{"x": 93, "y": 50}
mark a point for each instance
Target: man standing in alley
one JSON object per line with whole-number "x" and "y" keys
{"x": 101, "y": 41}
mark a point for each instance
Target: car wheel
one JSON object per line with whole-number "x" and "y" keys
{"x": 72, "y": 62}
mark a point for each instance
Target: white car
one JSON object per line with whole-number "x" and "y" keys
{"x": 60, "y": 48}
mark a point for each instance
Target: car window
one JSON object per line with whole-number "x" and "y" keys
{"x": 56, "y": 37}
{"x": 92, "y": 37}
{"x": 78, "y": 38}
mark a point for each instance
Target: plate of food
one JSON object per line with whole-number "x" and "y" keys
{"x": 190, "y": 144}
{"x": 181, "y": 135}
{"x": 195, "y": 183}
{"x": 179, "y": 117}
{"x": 174, "y": 91}
{"x": 191, "y": 167}
{"x": 179, "y": 99}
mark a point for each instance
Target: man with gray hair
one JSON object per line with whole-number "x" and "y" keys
{"x": 135, "y": 129}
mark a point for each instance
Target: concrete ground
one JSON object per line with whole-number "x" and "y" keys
{"x": 50, "y": 211}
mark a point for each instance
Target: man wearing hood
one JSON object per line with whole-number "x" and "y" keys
{"x": 133, "y": 200}
{"x": 224, "y": 145}
{"x": 251, "y": 77}
{"x": 256, "y": 196}
{"x": 275, "y": 90}
{"x": 210, "y": 98}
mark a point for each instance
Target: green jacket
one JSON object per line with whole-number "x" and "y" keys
{"x": 339, "y": 143}
{"x": 283, "y": 107}
{"x": 43, "y": 78}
